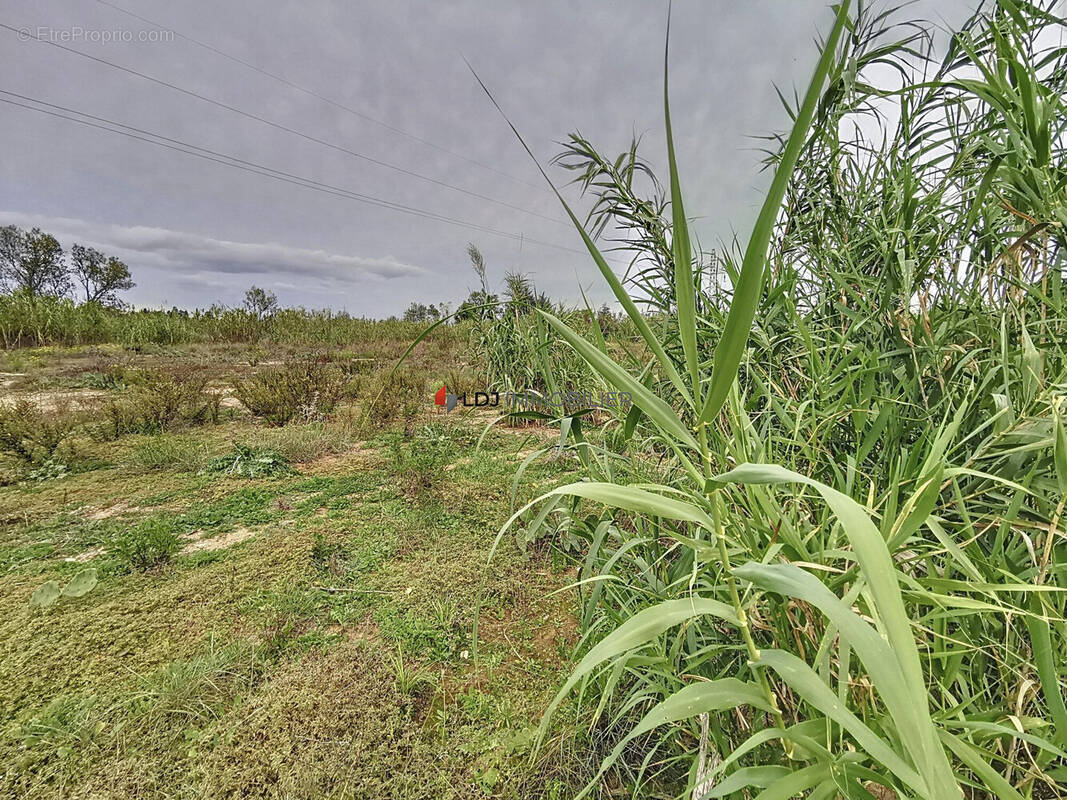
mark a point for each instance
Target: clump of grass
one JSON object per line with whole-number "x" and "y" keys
{"x": 249, "y": 462}
{"x": 307, "y": 391}
{"x": 411, "y": 680}
{"x": 168, "y": 450}
{"x": 301, "y": 444}
{"x": 67, "y": 724}
{"x": 159, "y": 402}
{"x": 150, "y": 544}
{"x": 418, "y": 460}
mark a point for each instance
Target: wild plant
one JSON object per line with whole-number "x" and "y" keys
{"x": 845, "y": 581}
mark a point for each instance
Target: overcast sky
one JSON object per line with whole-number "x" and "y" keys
{"x": 196, "y": 232}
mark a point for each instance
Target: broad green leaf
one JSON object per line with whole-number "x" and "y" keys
{"x": 1032, "y": 367}
{"x": 795, "y": 783}
{"x": 990, "y": 777}
{"x": 749, "y": 286}
{"x": 1059, "y": 452}
{"x": 881, "y": 575}
{"x": 805, "y": 682}
{"x": 1046, "y": 659}
{"x": 872, "y": 649}
{"x": 697, "y": 698}
{"x": 81, "y": 584}
{"x": 642, "y": 501}
{"x": 640, "y": 629}
{"x": 658, "y": 410}
{"x": 760, "y": 777}
{"x": 681, "y": 250}
{"x": 45, "y": 595}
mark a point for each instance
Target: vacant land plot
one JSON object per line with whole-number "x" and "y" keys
{"x": 279, "y": 611}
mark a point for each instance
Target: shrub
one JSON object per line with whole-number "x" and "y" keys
{"x": 163, "y": 399}
{"x": 307, "y": 390}
{"x": 158, "y": 402}
{"x": 393, "y": 396}
{"x": 31, "y": 435}
{"x": 150, "y": 544}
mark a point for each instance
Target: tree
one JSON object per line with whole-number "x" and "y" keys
{"x": 417, "y": 312}
{"x": 261, "y": 303}
{"x": 32, "y": 262}
{"x": 100, "y": 276}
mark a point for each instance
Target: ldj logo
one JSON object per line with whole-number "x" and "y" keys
{"x": 449, "y": 401}
{"x": 444, "y": 398}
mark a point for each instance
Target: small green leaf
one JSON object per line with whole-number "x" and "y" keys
{"x": 45, "y": 595}
{"x": 81, "y": 584}
{"x": 1059, "y": 453}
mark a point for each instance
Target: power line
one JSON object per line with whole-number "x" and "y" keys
{"x": 257, "y": 169}
{"x": 312, "y": 93}
{"x": 25, "y": 33}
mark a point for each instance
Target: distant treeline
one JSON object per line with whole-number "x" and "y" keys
{"x": 55, "y": 298}
{"x": 33, "y": 321}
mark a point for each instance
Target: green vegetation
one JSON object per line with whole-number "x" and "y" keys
{"x": 820, "y": 555}
{"x": 269, "y": 601}
{"x": 826, "y": 556}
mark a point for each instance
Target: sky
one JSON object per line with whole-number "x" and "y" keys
{"x": 374, "y": 102}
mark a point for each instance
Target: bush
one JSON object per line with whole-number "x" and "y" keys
{"x": 389, "y": 397}
{"x": 308, "y": 390}
{"x": 31, "y": 435}
{"x": 159, "y": 401}
{"x": 150, "y": 544}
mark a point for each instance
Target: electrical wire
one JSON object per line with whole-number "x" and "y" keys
{"x": 235, "y": 162}
{"x": 312, "y": 93}
{"x": 25, "y": 33}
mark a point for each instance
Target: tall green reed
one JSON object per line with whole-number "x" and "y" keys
{"x": 894, "y": 341}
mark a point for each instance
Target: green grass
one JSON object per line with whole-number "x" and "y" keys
{"x": 269, "y": 667}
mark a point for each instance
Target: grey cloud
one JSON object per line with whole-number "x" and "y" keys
{"x": 556, "y": 66}
{"x": 205, "y": 262}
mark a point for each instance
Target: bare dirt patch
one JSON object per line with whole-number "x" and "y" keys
{"x": 227, "y": 399}
{"x": 200, "y": 543}
{"x": 88, "y": 555}
{"x": 56, "y": 400}
{"x": 106, "y": 512}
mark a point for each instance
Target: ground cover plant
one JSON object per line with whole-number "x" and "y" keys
{"x": 206, "y": 608}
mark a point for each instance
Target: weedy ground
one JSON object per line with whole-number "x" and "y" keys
{"x": 281, "y": 612}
